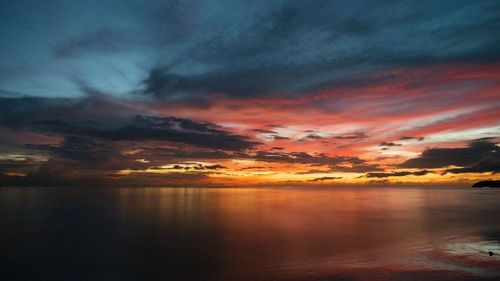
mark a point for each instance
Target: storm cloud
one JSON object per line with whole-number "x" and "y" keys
{"x": 67, "y": 118}
{"x": 280, "y": 48}
{"x": 478, "y": 156}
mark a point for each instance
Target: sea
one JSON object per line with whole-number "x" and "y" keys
{"x": 260, "y": 234}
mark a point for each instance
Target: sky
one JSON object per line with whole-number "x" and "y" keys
{"x": 249, "y": 93}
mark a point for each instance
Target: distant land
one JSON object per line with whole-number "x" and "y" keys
{"x": 487, "y": 183}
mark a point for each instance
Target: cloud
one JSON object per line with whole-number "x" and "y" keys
{"x": 478, "y": 156}
{"x": 275, "y": 126}
{"x": 16, "y": 112}
{"x": 262, "y": 168}
{"x": 356, "y": 168}
{"x": 197, "y": 50}
{"x": 89, "y": 161}
{"x": 84, "y": 153}
{"x": 101, "y": 41}
{"x": 20, "y": 165}
{"x": 325, "y": 179}
{"x": 335, "y": 163}
{"x": 264, "y": 131}
{"x": 188, "y": 166}
{"x": 96, "y": 118}
{"x": 309, "y": 69}
{"x": 312, "y": 136}
{"x": 276, "y": 137}
{"x": 312, "y": 171}
{"x": 53, "y": 177}
{"x": 304, "y": 158}
{"x": 290, "y": 49}
{"x": 412, "y": 138}
{"x": 99, "y": 148}
{"x": 389, "y": 144}
{"x": 151, "y": 128}
{"x": 489, "y": 164}
{"x": 353, "y": 136}
{"x": 397, "y": 174}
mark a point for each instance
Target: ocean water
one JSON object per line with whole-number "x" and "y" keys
{"x": 249, "y": 234}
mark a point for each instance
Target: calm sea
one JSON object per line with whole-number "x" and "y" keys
{"x": 370, "y": 234}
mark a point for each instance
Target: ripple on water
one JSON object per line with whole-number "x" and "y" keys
{"x": 470, "y": 255}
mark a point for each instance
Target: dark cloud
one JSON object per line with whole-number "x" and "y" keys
{"x": 304, "y": 158}
{"x": 150, "y": 128}
{"x": 55, "y": 178}
{"x": 312, "y": 171}
{"x": 353, "y": 136}
{"x": 280, "y": 48}
{"x": 489, "y": 164}
{"x": 213, "y": 167}
{"x": 101, "y": 136}
{"x": 15, "y": 112}
{"x": 335, "y": 163}
{"x": 197, "y": 49}
{"x": 89, "y": 161}
{"x": 396, "y": 174}
{"x": 20, "y": 165}
{"x": 478, "y": 156}
{"x": 314, "y": 136}
{"x": 163, "y": 83}
{"x": 264, "y": 168}
{"x": 193, "y": 53}
{"x": 264, "y": 131}
{"x": 102, "y": 41}
{"x": 101, "y": 145}
{"x": 276, "y": 137}
{"x": 384, "y": 181}
{"x": 195, "y": 166}
{"x": 412, "y": 138}
{"x": 174, "y": 154}
{"x": 325, "y": 179}
{"x": 169, "y": 21}
{"x": 275, "y": 126}
{"x": 356, "y": 168}
{"x": 18, "y": 112}
{"x": 96, "y": 117}
{"x": 389, "y": 144}
{"x": 83, "y": 153}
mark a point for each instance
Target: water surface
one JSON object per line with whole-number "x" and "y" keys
{"x": 249, "y": 234}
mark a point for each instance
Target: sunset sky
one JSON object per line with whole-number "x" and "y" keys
{"x": 249, "y": 93}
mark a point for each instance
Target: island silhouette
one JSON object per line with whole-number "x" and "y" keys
{"x": 487, "y": 183}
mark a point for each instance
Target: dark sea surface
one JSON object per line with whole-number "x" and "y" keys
{"x": 290, "y": 234}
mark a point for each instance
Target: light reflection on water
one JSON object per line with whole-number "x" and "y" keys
{"x": 249, "y": 234}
